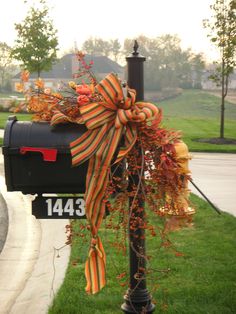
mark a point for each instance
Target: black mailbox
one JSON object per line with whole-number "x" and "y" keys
{"x": 37, "y": 158}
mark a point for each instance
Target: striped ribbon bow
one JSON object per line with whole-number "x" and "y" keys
{"x": 107, "y": 121}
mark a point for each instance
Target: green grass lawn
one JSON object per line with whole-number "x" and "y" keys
{"x": 201, "y": 281}
{"x": 198, "y": 104}
{"x": 197, "y": 114}
{"x": 4, "y": 116}
{"x": 20, "y": 116}
{"x": 196, "y": 128}
{"x": 9, "y": 94}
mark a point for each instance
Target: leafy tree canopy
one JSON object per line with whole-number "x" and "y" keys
{"x": 7, "y": 68}
{"x": 167, "y": 64}
{"x": 109, "y": 48}
{"x": 36, "y": 44}
{"x": 222, "y": 32}
{"x": 5, "y": 61}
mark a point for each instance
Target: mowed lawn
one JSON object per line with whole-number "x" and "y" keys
{"x": 200, "y": 280}
{"x": 197, "y": 114}
{"x": 20, "y": 116}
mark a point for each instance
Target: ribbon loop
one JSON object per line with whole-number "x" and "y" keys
{"x": 107, "y": 121}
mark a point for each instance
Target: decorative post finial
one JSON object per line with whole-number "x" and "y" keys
{"x": 135, "y": 71}
{"x": 135, "y": 52}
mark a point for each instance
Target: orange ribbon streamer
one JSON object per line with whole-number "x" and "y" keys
{"x": 107, "y": 121}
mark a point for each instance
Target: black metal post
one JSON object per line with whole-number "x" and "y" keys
{"x": 137, "y": 297}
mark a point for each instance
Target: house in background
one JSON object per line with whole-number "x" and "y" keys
{"x": 208, "y": 84}
{"x": 67, "y": 66}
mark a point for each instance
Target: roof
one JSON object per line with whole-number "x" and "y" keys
{"x": 63, "y": 69}
{"x": 103, "y": 64}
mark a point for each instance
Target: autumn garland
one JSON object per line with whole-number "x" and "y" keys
{"x": 111, "y": 117}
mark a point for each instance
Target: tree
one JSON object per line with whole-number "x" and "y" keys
{"x": 167, "y": 65}
{"x": 115, "y": 48}
{"x": 36, "y": 44}
{"x": 88, "y": 46}
{"x": 97, "y": 46}
{"x": 5, "y": 62}
{"x": 222, "y": 32}
{"x": 197, "y": 64}
{"x": 108, "y": 48}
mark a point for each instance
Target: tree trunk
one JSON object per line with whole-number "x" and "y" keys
{"x": 222, "y": 111}
{"x": 2, "y": 79}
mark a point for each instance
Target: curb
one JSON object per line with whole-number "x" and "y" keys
{"x": 3, "y": 222}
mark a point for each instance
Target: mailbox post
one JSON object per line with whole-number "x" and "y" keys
{"x": 137, "y": 298}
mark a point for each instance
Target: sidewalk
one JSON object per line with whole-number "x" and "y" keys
{"x": 30, "y": 272}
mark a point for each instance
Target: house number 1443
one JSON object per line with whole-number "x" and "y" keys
{"x": 71, "y": 206}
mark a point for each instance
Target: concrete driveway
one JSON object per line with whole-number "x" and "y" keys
{"x": 215, "y": 175}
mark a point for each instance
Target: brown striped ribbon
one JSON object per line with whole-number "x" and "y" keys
{"x": 60, "y": 118}
{"x": 107, "y": 121}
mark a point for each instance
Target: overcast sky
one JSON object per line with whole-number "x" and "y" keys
{"x": 77, "y": 20}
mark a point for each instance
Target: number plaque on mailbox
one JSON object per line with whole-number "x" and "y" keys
{"x": 56, "y": 207}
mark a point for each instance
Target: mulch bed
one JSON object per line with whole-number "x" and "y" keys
{"x": 217, "y": 140}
